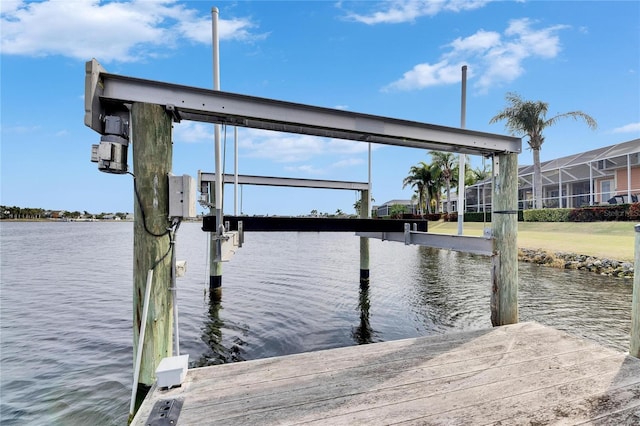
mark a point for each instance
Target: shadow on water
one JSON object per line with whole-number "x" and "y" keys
{"x": 219, "y": 352}
{"x": 363, "y": 333}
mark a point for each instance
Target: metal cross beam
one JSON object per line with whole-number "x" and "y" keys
{"x": 104, "y": 91}
{"x": 288, "y": 182}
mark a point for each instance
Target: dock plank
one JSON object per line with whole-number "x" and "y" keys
{"x": 519, "y": 374}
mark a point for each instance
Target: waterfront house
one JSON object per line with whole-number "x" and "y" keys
{"x": 606, "y": 175}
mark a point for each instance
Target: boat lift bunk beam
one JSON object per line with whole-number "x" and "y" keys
{"x": 411, "y": 235}
{"x": 105, "y": 92}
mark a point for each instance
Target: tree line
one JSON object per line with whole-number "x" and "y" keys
{"x": 15, "y": 212}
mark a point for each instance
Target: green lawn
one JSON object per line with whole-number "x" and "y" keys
{"x": 613, "y": 240}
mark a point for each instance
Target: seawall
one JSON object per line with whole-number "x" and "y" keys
{"x": 608, "y": 267}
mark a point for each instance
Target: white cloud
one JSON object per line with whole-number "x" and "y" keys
{"x": 400, "y": 11}
{"x": 425, "y": 75}
{"x": 348, "y": 162}
{"x": 305, "y": 168}
{"x": 628, "y": 128}
{"x": 192, "y": 132}
{"x": 291, "y": 148}
{"x": 478, "y": 42}
{"x": 494, "y": 58}
{"x": 19, "y": 129}
{"x": 124, "y": 31}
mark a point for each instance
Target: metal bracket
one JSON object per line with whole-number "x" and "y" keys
{"x": 173, "y": 112}
{"x": 165, "y": 412}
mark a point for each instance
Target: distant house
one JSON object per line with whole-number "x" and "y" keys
{"x": 385, "y": 209}
{"x": 601, "y": 176}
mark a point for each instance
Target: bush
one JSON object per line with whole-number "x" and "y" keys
{"x": 600, "y": 214}
{"x": 547, "y": 215}
{"x": 451, "y": 217}
{"x": 634, "y": 211}
{"x": 397, "y": 210}
{"x": 434, "y": 217}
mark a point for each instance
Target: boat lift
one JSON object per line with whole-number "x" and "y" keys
{"x": 108, "y": 95}
{"x": 114, "y": 104}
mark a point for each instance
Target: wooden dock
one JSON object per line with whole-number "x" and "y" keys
{"x": 522, "y": 374}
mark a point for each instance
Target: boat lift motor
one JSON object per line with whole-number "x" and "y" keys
{"x": 111, "y": 153}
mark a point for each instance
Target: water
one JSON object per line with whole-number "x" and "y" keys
{"x": 66, "y": 307}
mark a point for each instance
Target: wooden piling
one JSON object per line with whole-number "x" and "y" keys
{"x": 634, "y": 345}
{"x": 364, "y": 242}
{"x": 504, "y": 277}
{"x": 152, "y": 154}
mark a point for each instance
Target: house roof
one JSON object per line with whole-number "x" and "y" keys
{"x": 578, "y": 167}
{"x": 392, "y": 202}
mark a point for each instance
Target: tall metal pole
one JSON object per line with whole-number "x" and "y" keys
{"x": 235, "y": 168}
{"x": 462, "y": 157}
{"x": 369, "y": 186}
{"x": 365, "y": 213}
{"x": 215, "y": 272}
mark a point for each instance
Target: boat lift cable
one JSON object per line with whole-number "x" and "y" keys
{"x": 144, "y": 217}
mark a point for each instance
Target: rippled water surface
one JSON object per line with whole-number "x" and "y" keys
{"x": 66, "y": 307}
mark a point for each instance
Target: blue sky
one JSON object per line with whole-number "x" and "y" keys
{"x": 399, "y": 59}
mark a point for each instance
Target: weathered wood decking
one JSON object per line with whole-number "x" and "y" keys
{"x": 512, "y": 375}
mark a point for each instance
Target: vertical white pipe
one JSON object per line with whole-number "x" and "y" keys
{"x": 215, "y": 266}
{"x": 216, "y": 86}
{"x": 235, "y": 168}
{"x": 174, "y": 290}
{"x": 462, "y": 157}
{"x": 560, "y": 188}
{"x": 591, "y": 184}
{"x": 629, "y": 178}
{"x": 143, "y": 328}
{"x": 369, "y": 186}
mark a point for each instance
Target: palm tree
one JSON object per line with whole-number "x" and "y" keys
{"x": 528, "y": 118}
{"x": 358, "y": 205}
{"x": 420, "y": 178}
{"x": 443, "y": 164}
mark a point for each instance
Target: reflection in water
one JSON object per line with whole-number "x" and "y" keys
{"x": 217, "y": 352}
{"x": 363, "y": 333}
{"x": 451, "y": 290}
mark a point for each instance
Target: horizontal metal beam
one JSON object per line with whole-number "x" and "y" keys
{"x": 311, "y": 224}
{"x": 281, "y": 181}
{"x": 475, "y": 245}
{"x": 104, "y": 91}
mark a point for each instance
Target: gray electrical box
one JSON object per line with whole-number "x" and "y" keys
{"x": 182, "y": 196}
